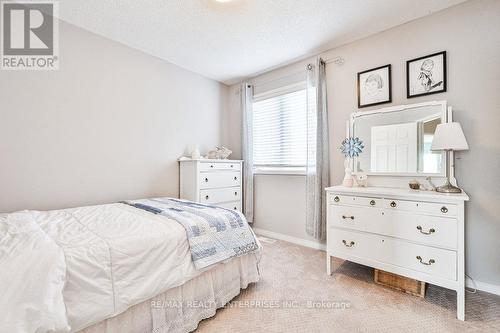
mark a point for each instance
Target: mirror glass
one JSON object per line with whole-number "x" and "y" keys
{"x": 399, "y": 141}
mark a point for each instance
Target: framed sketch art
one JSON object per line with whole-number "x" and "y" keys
{"x": 426, "y": 75}
{"x": 374, "y": 86}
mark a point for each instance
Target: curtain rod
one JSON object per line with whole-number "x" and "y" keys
{"x": 336, "y": 60}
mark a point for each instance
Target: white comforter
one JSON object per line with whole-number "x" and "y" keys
{"x": 107, "y": 258}
{"x": 32, "y": 275}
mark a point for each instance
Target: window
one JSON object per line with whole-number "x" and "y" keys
{"x": 280, "y": 130}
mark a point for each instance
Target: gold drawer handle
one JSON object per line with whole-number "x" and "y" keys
{"x": 372, "y": 202}
{"x": 431, "y": 230}
{"x": 347, "y": 217}
{"x": 393, "y": 204}
{"x": 351, "y": 244}
{"x": 430, "y": 262}
{"x": 444, "y": 209}
{"x": 336, "y": 199}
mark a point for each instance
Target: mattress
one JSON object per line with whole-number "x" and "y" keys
{"x": 180, "y": 309}
{"x": 114, "y": 257}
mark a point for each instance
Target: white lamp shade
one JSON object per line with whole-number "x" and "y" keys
{"x": 449, "y": 136}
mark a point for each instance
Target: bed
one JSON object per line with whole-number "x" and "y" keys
{"x": 123, "y": 267}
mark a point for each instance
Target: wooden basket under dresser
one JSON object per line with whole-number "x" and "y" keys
{"x": 418, "y": 234}
{"x": 215, "y": 182}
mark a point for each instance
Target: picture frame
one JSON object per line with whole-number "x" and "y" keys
{"x": 426, "y": 75}
{"x": 374, "y": 86}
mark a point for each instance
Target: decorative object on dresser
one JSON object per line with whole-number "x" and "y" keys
{"x": 350, "y": 147}
{"x": 449, "y": 137}
{"x": 417, "y": 234}
{"x": 195, "y": 152}
{"x": 361, "y": 179}
{"x": 220, "y": 152}
{"x": 374, "y": 86}
{"x": 426, "y": 75}
{"x": 212, "y": 181}
{"x": 414, "y": 184}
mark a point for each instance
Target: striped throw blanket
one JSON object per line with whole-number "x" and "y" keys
{"x": 215, "y": 234}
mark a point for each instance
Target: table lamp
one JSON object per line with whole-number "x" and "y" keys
{"x": 449, "y": 137}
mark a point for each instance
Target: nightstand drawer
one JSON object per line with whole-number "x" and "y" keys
{"x": 220, "y": 195}
{"x": 214, "y": 166}
{"x": 219, "y": 179}
{"x": 235, "y": 205}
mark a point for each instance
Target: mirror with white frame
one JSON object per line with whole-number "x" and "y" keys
{"x": 397, "y": 140}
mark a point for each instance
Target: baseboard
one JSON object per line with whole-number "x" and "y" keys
{"x": 483, "y": 286}
{"x": 290, "y": 239}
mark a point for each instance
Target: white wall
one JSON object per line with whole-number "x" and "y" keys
{"x": 109, "y": 125}
{"x": 469, "y": 34}
{"x": 280, "y": 205}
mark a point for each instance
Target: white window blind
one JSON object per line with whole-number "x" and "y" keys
{"x": 280, "y": 130}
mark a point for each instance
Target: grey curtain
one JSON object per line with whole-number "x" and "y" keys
{"x": 318, "y": 161}
{"x": 246, "y": 95}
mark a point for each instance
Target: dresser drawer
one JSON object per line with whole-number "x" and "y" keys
{"x": 337, "y": 199}
{"x": 220, "y": 195}
{"x": 356, "y": 218}
{"x": 214, "y": 166}
{"x": 355, "y": 200}
{"x": 421, "y": 258}
{"x": 353, "y": 243}
{"x": 432, "y": 230}
{"x": 426, "y": 259}
{"x": 235, "y": 205}
{"x": 219, "y": 179}
{"x": 421, "y": 207}
{"x": 427, "y": 229}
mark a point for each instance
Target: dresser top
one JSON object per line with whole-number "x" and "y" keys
{"x": 208, "y": 160}
{"x": 403, "y": 193}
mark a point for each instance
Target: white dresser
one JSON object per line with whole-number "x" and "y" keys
{"x": 216, "y": 182}
{"x": 418, "y": 234}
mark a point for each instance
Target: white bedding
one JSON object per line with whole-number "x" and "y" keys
{"x": 31, "y": 285}
{"x": 115, "y": 255}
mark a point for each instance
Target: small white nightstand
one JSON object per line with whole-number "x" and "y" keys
{"x": 216, "y": 182}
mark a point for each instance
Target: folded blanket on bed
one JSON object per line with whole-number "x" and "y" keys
{"x": 215, "y": 234}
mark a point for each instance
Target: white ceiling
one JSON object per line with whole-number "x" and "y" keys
{"x": 230, "y": 41}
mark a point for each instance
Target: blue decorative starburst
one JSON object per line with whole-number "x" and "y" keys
{"x": 351, "y": 147}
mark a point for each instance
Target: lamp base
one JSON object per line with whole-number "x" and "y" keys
{"x": 448, "y": 188}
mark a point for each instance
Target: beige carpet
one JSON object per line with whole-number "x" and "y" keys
{"x": 293, "y": 276}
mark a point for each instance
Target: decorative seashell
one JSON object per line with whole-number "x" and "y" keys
{"x": 223, "y": 152}
{"x": 212, "y": 154}
{"x": 414, "y": 185}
